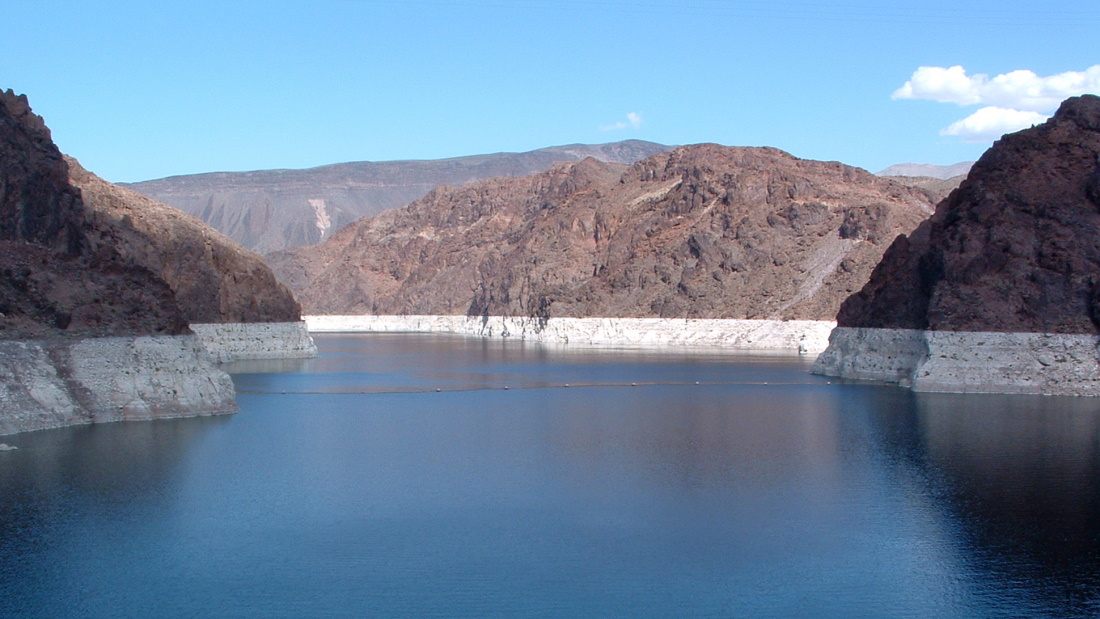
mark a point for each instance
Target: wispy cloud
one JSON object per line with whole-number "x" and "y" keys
{"x": 1013, "y": 100}
{"x": 633, "y": 120}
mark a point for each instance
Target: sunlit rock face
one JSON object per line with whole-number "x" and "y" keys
{"x": 704, "y": 231}
{"x": 214, "y": 279}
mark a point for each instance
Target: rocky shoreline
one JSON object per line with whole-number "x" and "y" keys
{"x": 794, "y": 336}
{"x": 966, "y": 361}
{"x": 55, "y": 382}
{"x": 236, "y": 341}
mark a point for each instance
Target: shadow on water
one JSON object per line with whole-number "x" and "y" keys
{"x": 1018, "y": 477}
{"x": 1024, "y": 477}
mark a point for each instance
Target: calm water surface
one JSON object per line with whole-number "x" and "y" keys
{"x": 395, "y": 475}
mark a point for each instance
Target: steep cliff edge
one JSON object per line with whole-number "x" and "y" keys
{"x": 1014, "y": 251}
{"x": 60, "y": 285}
{"x": 55, "y": 280}
{"x": 704, "y": 231}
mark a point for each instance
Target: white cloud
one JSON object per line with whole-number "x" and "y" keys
{"x": 1017, "y": 90}
{"x": 1013, "y": 100}
{"x": 991, "y": 122}
{"x": 633, "y": 120}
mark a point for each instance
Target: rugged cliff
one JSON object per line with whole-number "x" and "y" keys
{"x": 53, "y": 278}
{"x": 1015, "y": 249}
{"x": 60, "y": 284}
{"x": 214, "y": 279}
{"x": 1000, "y": 289}
{"x": 704, "y": 231}
{"x": 269, "y": 210}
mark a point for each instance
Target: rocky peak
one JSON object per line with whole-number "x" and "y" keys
{"x": 36, "y": 201}
{"x": 1016, "y": 248}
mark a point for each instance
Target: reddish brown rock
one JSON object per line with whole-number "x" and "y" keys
{"x": 214, "y": 279}
{"x": 1015, "y": 249}
{"x": 52, "y": 280}
{"x": 705, "y": 231}
{"x": 36, "y": 202}
{"x": 80, "y": 256}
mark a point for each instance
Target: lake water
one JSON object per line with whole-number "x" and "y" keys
{"x": 439, "y": 476}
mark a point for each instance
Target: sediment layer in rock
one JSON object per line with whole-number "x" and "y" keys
{"x": 793, "y": 336}
{"x": 69, "y": 381}
{"x": 966, "y": 361}
{"x": 226, "y": 342}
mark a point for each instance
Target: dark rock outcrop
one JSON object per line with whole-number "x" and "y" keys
{"x": 705, "y": 231}
{"x": 1015, "y": 249}
{"x": 36, "y": 202}
{"x": 269, "y": 210}
{"x": 53, "y": 279}
{"x": 80, "y": 256}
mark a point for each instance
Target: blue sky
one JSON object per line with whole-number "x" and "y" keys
{"x": 140, "y": 90}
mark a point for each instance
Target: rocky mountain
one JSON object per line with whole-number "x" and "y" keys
{"x": 270, "y": 210}
{"x": 929, "y": 170}
{"x": 1015, "y": 249}
{"x": 214, "y": 279}
{"x": 79, "y": 256}
{"x": 54, "y": 278}
{"x": 704, "y": 231}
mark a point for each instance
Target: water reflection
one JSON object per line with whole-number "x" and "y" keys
{"x": 348, "y": 484}
{"x": 1023, "y": 476}
{"x": 67, "y": 491}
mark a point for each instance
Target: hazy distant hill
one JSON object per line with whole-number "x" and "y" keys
{"x": 927, "y": 169}
{"x": 937, "y": 188}
{"x": 269, "y": 210}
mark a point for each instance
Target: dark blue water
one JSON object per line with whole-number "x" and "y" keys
{"x": 349, "y": 486}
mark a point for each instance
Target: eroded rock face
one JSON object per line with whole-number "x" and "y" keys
{"x": 705, "y": 231}
{"x": 53, "y": 280}
{"x": 36, "y": 202}
{"x": 1015, "y": 249}
{"x": 270, "y": 210}
{"x": 214, "y": 279}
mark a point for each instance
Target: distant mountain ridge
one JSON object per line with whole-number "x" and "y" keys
{"x": 942, "y": 172}
{"x": 269, "y": 210}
